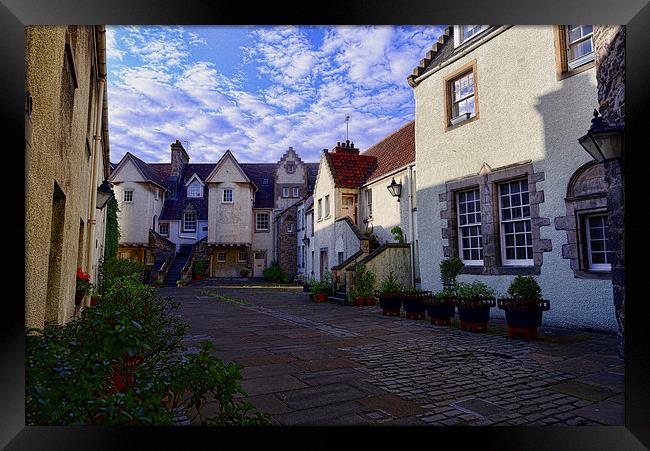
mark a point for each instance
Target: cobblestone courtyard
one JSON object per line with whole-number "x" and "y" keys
{"x": 309, "y": 363}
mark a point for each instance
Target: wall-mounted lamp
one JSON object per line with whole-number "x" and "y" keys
{"x": 602, "y": 141}
{"x": 395, "y": 189}
{"x": 104, "y": 194}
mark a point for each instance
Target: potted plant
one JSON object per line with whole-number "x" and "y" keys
{"x": 364, "y": 283}
{"x": 414, "y": 307}
{"x": 390, "y": 296}
{"x": 199, "y": 270}
{"x": 244, "y": 272}
{"x": 441, "y": 305}
{"x": 524, "y": 307}
{"x": 180, "y": 283}
{"x": 474, "y": 301}
{"x": 157, "y": 283}
{"x": 320, "y": 291}
{"x": 83, "y": 286}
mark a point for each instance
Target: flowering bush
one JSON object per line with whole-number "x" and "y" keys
{"x": 83, "y": 282}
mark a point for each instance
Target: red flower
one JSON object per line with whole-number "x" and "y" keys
{"x": 82, "y": 275}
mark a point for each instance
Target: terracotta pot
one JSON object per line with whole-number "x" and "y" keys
{"x": 370, "y": 300}
{"x": 359, "y": 301}
{"x": 321, "y": 297}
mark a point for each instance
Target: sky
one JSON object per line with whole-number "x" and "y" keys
{"x": 258, "y": 90}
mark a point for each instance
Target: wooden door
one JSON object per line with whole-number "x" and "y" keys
{"x": 259, "y": 264}
{"x": 349, "y": 206}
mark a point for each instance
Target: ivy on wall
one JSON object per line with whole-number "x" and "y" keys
{"x": 112, "y": 230}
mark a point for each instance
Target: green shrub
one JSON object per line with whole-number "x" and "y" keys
{"x": 275, "y": 274}
{"x": 199, "y": 267}
{"x": 120, "y": 363}
{"x": 244, "y": 272}
{"x": 525, "y": 287}
{"x": 365, "y": 281}
{"x": 116, "y": 268}
{"x": 474, "y": 290}
{"x": 390, "y": 284}
{"x": 398, "y": 234}
{"x": 449, "y": 270}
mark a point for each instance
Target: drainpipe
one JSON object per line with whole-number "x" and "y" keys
{"x": 411, "y": 228}
{"x": 90, "y": 238}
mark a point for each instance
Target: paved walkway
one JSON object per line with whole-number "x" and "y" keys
{"x": 323, "y": 364}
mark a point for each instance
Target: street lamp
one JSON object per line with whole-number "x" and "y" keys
{"x": 602, "y": 141}
{"x": 104, "y": 194}
{"x": 395, "y": 189}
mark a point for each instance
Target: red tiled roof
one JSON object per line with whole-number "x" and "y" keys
{"x": 393, "y": 152}
{"x": 350, "y": 170}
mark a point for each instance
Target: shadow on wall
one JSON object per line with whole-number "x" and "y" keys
{"x": 580, "y": 303}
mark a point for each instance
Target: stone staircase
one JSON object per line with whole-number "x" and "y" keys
{"x": 179, "y": 262}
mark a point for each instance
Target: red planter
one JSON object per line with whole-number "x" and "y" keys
{"x": 198, "y": 276}
{"x": 359, "y": 302}
{"x": 322, "y": 297}
{"x": 370, "y": 300}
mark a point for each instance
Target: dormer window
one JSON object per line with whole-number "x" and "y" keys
{"x": 195, "y": 190}
{"x": 463, "y": 33}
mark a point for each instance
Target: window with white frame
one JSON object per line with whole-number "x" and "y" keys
{"x": 195, "y": 190}
{"x": 163, "y": 228}
{"x": 295, "y": 192}
{"x": 514, "y": 216}
{"x": 369, "y": 202}
{"x": 579, "y": 45}
{"x": 470, "y": 238}
{"x": 289, "y": 227}
{"x": 327, "y": 206}
{"x": 262, "y": 220}
{"x": 189, "y": 221}
{"x": 227, "y": 195}
{"x": 285, "y": 192}
{"x": 242, "y": 257}
{"x": 464, "y": 33}
{"x": 221, "y": 257}
{"x": 463, "y": 105}
{"x": 128, "y": 195}
{"x": 598, "y": 252}
{"x": 320, "y": 208}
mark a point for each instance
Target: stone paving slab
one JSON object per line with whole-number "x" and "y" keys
{"x": 324, "y": 364}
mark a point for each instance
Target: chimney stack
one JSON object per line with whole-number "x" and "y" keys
{"x": 346, "y": 147}
{"x": 179, "y": 159}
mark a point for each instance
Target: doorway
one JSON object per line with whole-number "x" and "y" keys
{"x": 323, "y": 263}
{"x": 259, "y": 264}
{"x": 349, "y": 206}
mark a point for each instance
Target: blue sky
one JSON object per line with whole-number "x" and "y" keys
{"x": 258, "y": 90}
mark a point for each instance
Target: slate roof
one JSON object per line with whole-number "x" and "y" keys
{"x": 257, "y": 172}
{"x": 149, "y": 172}
{"x": 393, "y": 152}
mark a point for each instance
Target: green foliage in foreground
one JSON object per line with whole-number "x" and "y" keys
{"x": 121, "y": 363}
{"x": 275, "y": 274}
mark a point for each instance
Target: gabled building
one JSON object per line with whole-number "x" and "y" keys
{"x": 354, "y": 212}
{"x": 231, "y": 209}
{"x": 502, "y": 182}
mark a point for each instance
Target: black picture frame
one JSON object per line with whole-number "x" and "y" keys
{"x": 15, "y": 14}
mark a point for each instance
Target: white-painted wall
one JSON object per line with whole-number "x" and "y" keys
{"x": 525, "y": 113}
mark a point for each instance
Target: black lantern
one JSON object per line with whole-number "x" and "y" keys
{"x": 104, "y": 194}
{"x": 602, "y": 141}
{"x": 395, "y": 189}
{"x": 305, "y": 241}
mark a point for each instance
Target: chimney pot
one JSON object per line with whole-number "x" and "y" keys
{"x": 347, "y": 143}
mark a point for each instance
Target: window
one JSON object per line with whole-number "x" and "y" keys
{"x": 327, "y": 206}
{"x": 128, "y": 196}
{"x": 467, "y": 32}
{"x": 265, "y": 181}
{"x": 156, "y": 194}
{"x": 580, "y": 45}
{"x": 516, "y": 232}
{"x": 598, "y": 252}
{"x": 300, "y": 220}
{"x": 189, "y": 221}
{"x": 463, "y": 105}
{"x": 296, "y": 192}
{"x": 369, "y": 202}
{"x": 204, "y": 228}
{"x": 194, "y": 190}
{"x": 340, "y": 256}
{"x": 262, "y": 221}
{"x": 227, "y": 196}
{"x": 285, "y": 192}
{"x": 290, "y": 227}
{"x": 470, "y": 239}
{"x": 320, "y": 208}
{"x": 242, "y": 257}
{"x": 221, "y": 257}
{"x": 163, "y": 229}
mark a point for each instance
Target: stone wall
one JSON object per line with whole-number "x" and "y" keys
{"x": 609, "y": 43}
